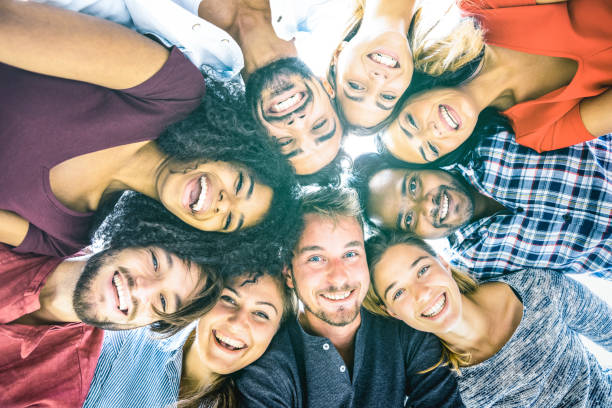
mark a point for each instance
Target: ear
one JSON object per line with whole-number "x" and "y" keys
{"x": 287, "y": 272}
{"x": 328, "y": 88}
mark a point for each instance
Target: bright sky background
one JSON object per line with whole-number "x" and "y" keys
{"x": 316, "y": 51}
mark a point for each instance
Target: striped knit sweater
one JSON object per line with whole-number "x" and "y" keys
{"x": 545, "y": 364}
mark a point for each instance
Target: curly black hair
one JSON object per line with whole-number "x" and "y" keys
{"x": 220, "y": 129}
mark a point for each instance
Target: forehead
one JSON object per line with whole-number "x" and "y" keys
{"x": 264, "y": 289}
{"x": 323, "y": 231}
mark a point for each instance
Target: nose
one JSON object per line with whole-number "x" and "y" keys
{"x": 337, "y": 274}
{"x": 225, "y": 202}
{"x": 428, "y": 205}
{"x": 421, "y": 292}
{"x": 296, "y": 120}
{"x": 146, "y": 289}
{"x": 239, "y": 320}
{"x": 434, "y": 129}
{"x": 378, "y": 74}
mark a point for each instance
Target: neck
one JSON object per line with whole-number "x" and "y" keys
{"x": 141, "y": 172}
{"x": 56, "y": 294}
{"x": 484, "y": 205}
{"x": 254, "y": 33}
{"x": 387, "y": 15}
{"x": 342, "y": 337}
{"x": 472, "y": 329}
{"x": 492, "y": 86}
{"x": 195, "y": 374}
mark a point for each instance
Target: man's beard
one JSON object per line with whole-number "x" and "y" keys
{"x": 274, "y": 77}
{"x": 341, "y": 317}
{"x": 83, "y": 295}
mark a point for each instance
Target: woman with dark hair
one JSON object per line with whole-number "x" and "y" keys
{"x": 99, "y": 95}
{"x": 386, "y": 41}
{"x": 195, "y": 366}
{"x": 514, "y": 340}
{"x": 550, "y": 81}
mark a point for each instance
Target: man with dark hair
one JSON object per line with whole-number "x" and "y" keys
{"x": 286, "y": 98}
{"x": 506, "y": 208}
{"x": 52, "y": 311}
{"x": 337, "y": 354}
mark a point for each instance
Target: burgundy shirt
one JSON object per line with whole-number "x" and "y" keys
{"x": 46, "y": 120}
{"x": 42, "y": 366}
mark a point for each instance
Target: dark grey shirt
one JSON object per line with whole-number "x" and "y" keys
{"x": 299, "y": 370}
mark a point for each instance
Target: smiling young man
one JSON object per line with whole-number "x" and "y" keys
{"x": 254, "y": 38}
{"x": 336, "y": 354}
{"x": 52, "y": 310}
{"x": 506, "y": 208}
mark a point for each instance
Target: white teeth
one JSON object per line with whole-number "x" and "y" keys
{"x": 448, "y": 118}
{"x": 204, "y": 189}
{"x": 443, "y": 207}
{"x": 337, "y": 296}
{"x": 287, "y": 103}
{"x": 384, "y": 59}
{"x": 122, "y": 294}
{"x": 435, "y": 309}
{"x": 229, "y": 341}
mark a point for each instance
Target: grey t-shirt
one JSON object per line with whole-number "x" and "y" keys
{"x": 300, "y": 370}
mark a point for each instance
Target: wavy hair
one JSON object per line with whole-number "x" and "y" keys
{"x": 376, "y": 246}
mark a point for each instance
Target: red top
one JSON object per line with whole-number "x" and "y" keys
{"x": 578, "y": 29}
{"x": 43, "y": 366}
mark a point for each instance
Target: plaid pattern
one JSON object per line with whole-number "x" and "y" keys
{"x": 559, "y": 209}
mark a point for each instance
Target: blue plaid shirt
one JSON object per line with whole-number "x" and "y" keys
{"x": 559, "y": 209}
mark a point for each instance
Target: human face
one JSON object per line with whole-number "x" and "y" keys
{"x": 418, "y": 288}
{"x": 372, "y": 72}
{"x": 239, "y": 328}
{"x": 431, "y": 125}
{"x": 213, "y": 196}
{"x": 430, "y": 203}
{"x": 329, "y": 269}
{"x": 120, "y": 289}
{"x": 295, "y": 108}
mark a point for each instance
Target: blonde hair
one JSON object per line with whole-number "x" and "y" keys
{"x": 440, "y": 41}
{"x": 376, "y": 247}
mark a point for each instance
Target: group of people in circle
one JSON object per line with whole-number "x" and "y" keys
{"x": 174, "y": 182}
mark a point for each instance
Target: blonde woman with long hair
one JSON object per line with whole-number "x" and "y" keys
{"x": 513, "y": 340}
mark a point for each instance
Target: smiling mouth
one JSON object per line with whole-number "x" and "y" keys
{"x": 443, "y": 207}
{"x": 227, "y": 342}
{"x": 122, "y": 294}
{"x": 197, "y": 194}
{"x": 286, "y": 104}
{"x": 384, "y": 59}
{"x": 337, "y": 296}
{"x": 435, "y": 310}
{"x": 449, "y": 117}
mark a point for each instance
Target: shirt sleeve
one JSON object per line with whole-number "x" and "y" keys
{"x": 39, "y": 242}
{"x": 582, "y": 310}
{"x": 475, "y": 5}
{"x": 261, "y": 386}
{"x": 567, "y": 131}
{"x": 433, "y": 388}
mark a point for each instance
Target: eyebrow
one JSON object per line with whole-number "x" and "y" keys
{"x": 400, "y": 215}
{"x": 353, "y": 98}
{"x": 383, "y": 107}
{"x": 169, "y": 259}
{"x": 388, "y": 289}
{"x": 310, "y": 248}
{"x": 354, "y": 243}
{"x": 269, "y": 304}
{"x": 406, "y": 131}
{"x": 250, "y": 192}
{"x": 422, "y": 151}
{"x": 240, "y": 222}
{"x": 177, "y": 302}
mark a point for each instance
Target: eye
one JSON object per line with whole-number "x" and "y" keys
{"x": 284, "y": 141}
{"x": 397, "y": 294}
{"x": 411, "y": 121}
{"x": 422, "y": 271}
{"x": 315, "y": 258}
{"x": 154, "y": 261}
{"x": 407, "y": 221}
{"x": 355, "y": 86}
{"x": 412, "y": 185}
{"x": 163, "y": 303}
{"x": 228, "y": 299}
{"x": 319, "y": 125}
{"x": 228, "y": 221}
{"x": 262, "y": 315}
{"x": 434, "y": 149}
{"x": 239, "y": 182}
{"x": 388, "y": 97}
{"x": 351, "y": 254}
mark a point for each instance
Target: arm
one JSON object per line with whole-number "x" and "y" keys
{"x": 68, "y": 45}
{"x": 582, "y": 310}
{"x": 434, "y": 388}
{"x": 13, "y": 228}
{"x": 595, "y": 113}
